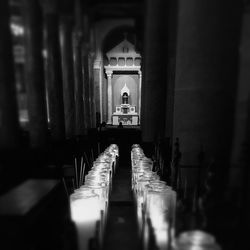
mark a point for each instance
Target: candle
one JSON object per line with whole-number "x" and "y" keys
{"x": 154, "y": 199}
{"x": 85, "y": 212}
{"x": 195, "y": 240}
{"x": 162, "y": 237}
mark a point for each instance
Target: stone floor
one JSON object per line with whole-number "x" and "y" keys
{"x": 121, "y": 232}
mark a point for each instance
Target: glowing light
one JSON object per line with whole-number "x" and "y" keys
{"x": 154, "y": 199}
{"x": 84, "y": 208}
{"x": 16, "y": 29}
{"x": 162, "y": 237}
{"x": 45, "y": 53}
{"x": 85, "y": 212}
{"x": 195, "y": 240}
{"x": 89, "y": 201}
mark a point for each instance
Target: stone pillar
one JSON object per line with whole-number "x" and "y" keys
{"x": 241, "y": 128}
{"x": 170, "y": 99}
{"x": 80, "y": 122}
{"x": 85, "y": 58}
{"x": 139, "y": 93}
{"x": 68, "y": 75}
{"x": 206, "y": 73}
{"x": 98, "y": 87}
{"x": 104, "y": 95}
{"x": 8, "y": 105}
{"x": 240, "y": 160}
{"x": 34, "y": 73}
{"x": 86, "y": 84}
{"x": 79, "y": 104}
{"x": 154, "y": 71}
{"x": 92, "y": 92}
{"x": 109, "y": 75}
{"x": 53, "y": 71}
{"x": 171, "y": 59}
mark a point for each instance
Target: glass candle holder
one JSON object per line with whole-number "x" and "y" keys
{"x": 195, "y": 239}
{"x": 85, "y": 212}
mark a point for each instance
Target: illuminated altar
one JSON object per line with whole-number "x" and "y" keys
{"x": 125, "y": 113}
{"x": 123, "y": 74}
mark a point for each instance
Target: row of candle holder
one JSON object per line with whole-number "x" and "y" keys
{"x": 89, "y": 203}
{"x": 155, "y": 200}
{"x": 156, "y": 209}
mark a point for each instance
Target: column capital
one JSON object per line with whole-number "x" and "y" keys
{"x": 109, "y": 73}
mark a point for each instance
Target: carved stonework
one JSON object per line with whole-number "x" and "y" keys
{"x": 125, "y": 89}
{"x": 124, "y": 111}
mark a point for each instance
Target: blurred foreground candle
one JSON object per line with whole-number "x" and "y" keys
{"x": 157, "y": 208}
{"x": 162, "y": 237}
{"x": 195, "y": 240}
{"x": 85, "y": 212}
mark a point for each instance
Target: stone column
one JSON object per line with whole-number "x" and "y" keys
{"x": 139, "y": 108}
{"x": 240, "y": 160}
{"x": 206, "y": 73}
{"x": 53, "y": 70}
{"x": 68, "y": 74}
{"x": 154, "y": 71}
{"x": 241, "y": 128}
{"x": 8, "y": 105}
{"x": 34, "y": 73}
{"x": 171, "y": 59}
{"x": 92, "y": 92}
{"x": 80, "y": 128}
{"x": 98, "y": 87}
{"x": 86, "y": 86}
{"x": 109, "y": 75}
{"x": 85, "y": 58}
{"x": 78, "y": 39}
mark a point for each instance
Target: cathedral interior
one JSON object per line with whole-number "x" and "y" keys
{"x": 124, "y": 124}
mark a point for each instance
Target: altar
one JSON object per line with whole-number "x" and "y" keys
{"x": 123, "y": 85}
{"x": 125, "y": 113}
